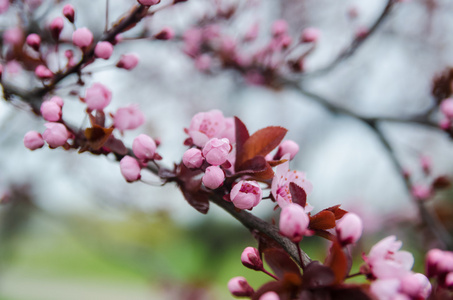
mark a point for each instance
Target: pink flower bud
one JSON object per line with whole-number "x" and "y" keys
{"x": 349, "y": 229}
{"x": 449, "y": 280}
{"x": 56, "y": 26}
{"x": 34, "y": 41}
{"x": 246, "y": 194}
{"x": 438, "y": 262}
{"x": 13, "y": 36}
{"x": 416, "y": 286}
{"x": 68, "y": 12}
{"x": 144, "y": 147}
{"x": 426, "y": 163}
{"x": 51, "y": 111}
{"x": 213, "y": 177}
{"x": 98, "y": 96}
{"x": 103, "y": 50}
{"x": 239, "y": 287}
{"x": 310, "y": 35}
{"x": 33, "y": 140}
{"x": 82, "y": 37}
{"x": 57, "y": 100}
{"x": 445, "y": 124}
{"x": 55, "y": 135}
{"x": 165, "y": 34}
{"x": 285, "y": 147}
{"x": 293, "y": 222}
{"x": 446, "y": 107}
{"x": 250, "y": 258}
{"x": 421, "y": 192}
{"x": 279, "y": 27}
{"x": 127, "y": 61}
{"x": 148, "y": 2}
{"x": 193, "y": 158}
{"x": 270, "y": 296}
{"x": 216, "y": 151}
{"x": 128, "y": 118}
{"x": 43, "y": 72}
{"x": 203, "y": 62}
{"x": 130, "y": 168}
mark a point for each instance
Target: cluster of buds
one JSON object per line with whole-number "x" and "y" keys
{"x": 210, "y": 47}
{"x": 439, "y": 265}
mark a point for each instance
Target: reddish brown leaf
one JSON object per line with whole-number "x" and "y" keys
{"x": 97, "y": 136}
{"x": 265, "y": 175}
{"x": 257, "y": 167}
{"x": 298, "y": 194}
{"x": 323, "y": 220}
{"x": 242, "y": 135}
{"x": 98, "y": 119}
{"x": 197, "y": 199}
{"x": 351, "y": 291}
{"x": 339, "y": 213}
{"x": 274, "y": 163}
{"x": 325, "y": 234}
{"x": 441, "y": 182}
{"x": 317, "y": 275}
{"x": 116, "y": 145}
{"x": 281, "y": 263}
{"x": 337, "y": 262}
{"x": 260, "y": 143}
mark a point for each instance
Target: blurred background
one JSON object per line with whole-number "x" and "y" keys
{"x": 72, "y": 228}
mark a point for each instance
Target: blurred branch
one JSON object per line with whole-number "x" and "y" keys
{"x": 356, "y": 43}
{"x": 428, "y": 217}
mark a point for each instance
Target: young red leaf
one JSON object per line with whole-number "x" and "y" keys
{"x": 323, "y": 220}
{"x": 298, "y": 194}
{"x": 116, "y": 146}
{"x": 242, "y": 135}
{"x": 97, "y": 136}
{"x": 317, "y": 275}
{"x": 260, "y": 143}
{"x": 339, "y": 213}
{"x": 257, "y": 167}
{"x": 441, "y": 182}
{"x": 281, "y": 263}
{"x": 337, "y": 262}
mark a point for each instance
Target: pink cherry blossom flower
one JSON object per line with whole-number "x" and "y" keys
{"x": 33, "y": 140}
{"x": 192, "y": 158}
{"x": 68, "y": 12}
{"x": 130, "y": 168}
{"x": 148, "y": 2}
{"x": 246, "y": 194}
{"x": 128, "y": 118}
{"x": 203, "y": 62}
{"x": 213, "y": 177}
{"x": 385, "y": 261}
{"x": 446, "y": 107}
{"x": 193, "y": 38}
{"x": 349, "y": 229}
{"x": 51, "y": 111}
{"x": 294, "y": 222}
{"x": 103, "y": 50}
{"x": 445, "y": 123}
{"x": 205, "y": 126}
{"x": 98, "y": 96}
{"x": 310, "y": 35}
{"x": 55, "y": 135}
{"x": 144, "y": 147}
{"x": 250, "y": 258}
{"x": 43, "y": 72}
{"x": 449, "y": 280}
{"x": 239, "y": 287}
{"x": 252, "y": 32}
{"x": 387, "y": 289}
{"x": 56, "y": 26}
{"x": 285, "y": 147}
{"x": 82, "y": 37}
{"x": 34, "y": 41}
{"x": 127, "y": 61}
{"x": 282, "y": 178}
{"x": 215, "y": 151}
